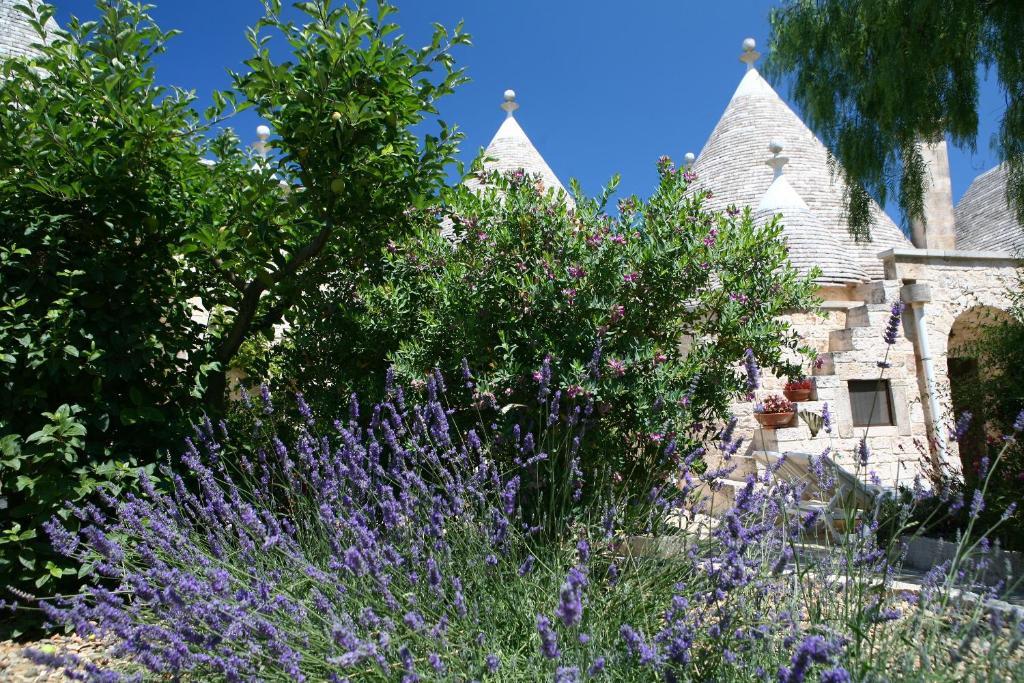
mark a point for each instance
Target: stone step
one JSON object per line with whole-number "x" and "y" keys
{"x": 880, "y": 291}
{"x": 854, "y": 337}
{"x": 722, "y": 498}
{"x": 869, "y": 315}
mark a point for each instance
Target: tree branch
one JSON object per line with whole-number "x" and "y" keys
{"x": 254, "y": 290}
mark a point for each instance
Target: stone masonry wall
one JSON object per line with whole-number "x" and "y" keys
{"x": 965, "y": 286}
{"x": 849, "y": 340}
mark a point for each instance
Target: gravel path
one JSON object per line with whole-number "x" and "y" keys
{"x": 15, "y": 668}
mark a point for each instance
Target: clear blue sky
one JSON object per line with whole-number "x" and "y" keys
{"x": 604, "y": 86}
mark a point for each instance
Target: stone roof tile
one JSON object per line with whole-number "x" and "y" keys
{"x": 16, "y": 33}
{"x": 984, "y": 220}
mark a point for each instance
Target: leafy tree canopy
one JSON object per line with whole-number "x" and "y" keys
{"x": 139, "y": 249}
{"x": 876, "y": 77}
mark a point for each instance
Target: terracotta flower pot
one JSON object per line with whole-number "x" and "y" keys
{"x": 797, "y": 395}
{"x": 774, "y": 420}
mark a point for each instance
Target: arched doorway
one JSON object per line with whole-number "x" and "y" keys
{"x": 967, "y": 372}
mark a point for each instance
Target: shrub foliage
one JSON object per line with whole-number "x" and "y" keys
{"x": 645, "y": 314}
{"x": 133, "y": 273}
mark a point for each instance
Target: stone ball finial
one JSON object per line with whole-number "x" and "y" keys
{"x": 750, "y": 54}
{"x": 510, "y": 104}
{"x": 776, "y": 147}
{"x": 263, "y": 132}
{"x": 688, "y": 159}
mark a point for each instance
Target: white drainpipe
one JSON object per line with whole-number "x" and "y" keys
{"x": 917, "y": 294}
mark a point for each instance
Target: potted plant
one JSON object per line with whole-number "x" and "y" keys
{"x": 798, "y": 390}
{"x": 776, "y": 411}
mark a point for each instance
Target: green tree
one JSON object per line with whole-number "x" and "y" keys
{"x": 876, "y": 77}
{"x": 114, "y": 226}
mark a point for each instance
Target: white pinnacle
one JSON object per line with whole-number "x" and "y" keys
{"x": 688, "y": 159}
{"x": 750, "y": 54}
{"x": 776, "y": 162}
{"x": 263, "y": 134}
{"x": 510, "y": 104}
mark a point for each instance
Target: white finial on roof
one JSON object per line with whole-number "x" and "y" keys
{"x": 510, "y": 104}
{"x": 263, "y": 133}
{"x": 688, "y": 160}
{"x": 750, "y": 54}
{"x": 776, "y": 162}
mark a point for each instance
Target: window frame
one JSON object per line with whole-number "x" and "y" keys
{"x": 887, "y": 414}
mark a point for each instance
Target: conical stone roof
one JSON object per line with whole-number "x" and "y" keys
{"x": 810, "y": 242}
{"x": 16, "y": 35}
{"x": 511, "y": 150}
{"x": 730, "y": 165}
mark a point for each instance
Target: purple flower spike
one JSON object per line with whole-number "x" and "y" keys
{"x": 963, "y": 423}
{"x": 548, "y": 638}
{"x": 753, "y": 372}
{"x": 892, "y": 328}
{"x": 567, "y": 674}
{"x": 863, "y": 452}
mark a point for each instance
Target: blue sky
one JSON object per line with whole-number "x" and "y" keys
{"x": 604, "y": 86}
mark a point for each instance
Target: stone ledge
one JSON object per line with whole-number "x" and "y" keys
{"x": 902, "y": 254}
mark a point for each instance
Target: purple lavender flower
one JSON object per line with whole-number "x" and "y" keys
{"x": 812, "y": 650}
{"x": 570, "y": 604}
{"x": 892, "y": 327}
{"x": 527, "y": 566}
{"x": 268, "y": 405}
{"x": 977, "y": 503}
{"x": 548, "y": 638}
{"x": 637, "y": 646}
{"x": 963, "y": 423}
{"x": 583, "y": 551}
{"x": 567, "y": 674}
{"x": 1018, "y": 424}
{"x": 826, "y": 418}
{"x": 863, "y": 452}
{"x": 597, "y": 667}
{"x": 492, "y": 661}
{"x": 835, "y": 675}
{"x": 753, "y": 372}
{"x": 414, "y": 620}
{"x": 543, "y": 379}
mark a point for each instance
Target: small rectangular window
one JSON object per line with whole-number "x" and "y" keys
{"x": 870, "y": 402}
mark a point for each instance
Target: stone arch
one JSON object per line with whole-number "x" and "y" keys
{"x": 965, "y": 370}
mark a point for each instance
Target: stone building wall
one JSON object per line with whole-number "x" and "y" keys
{"x": 848, "y": 336}
{"x": 969, "y": 287}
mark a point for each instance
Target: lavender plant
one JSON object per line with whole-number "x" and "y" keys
{"x": 392, "y": 546}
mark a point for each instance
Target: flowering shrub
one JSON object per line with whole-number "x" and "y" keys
{"x": 597, "y": 303}
{"x": 392, "y": 547}
{"x": 774, "y": 404}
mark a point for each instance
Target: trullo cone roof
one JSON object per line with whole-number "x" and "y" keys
{"x": 731, "y": 166}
